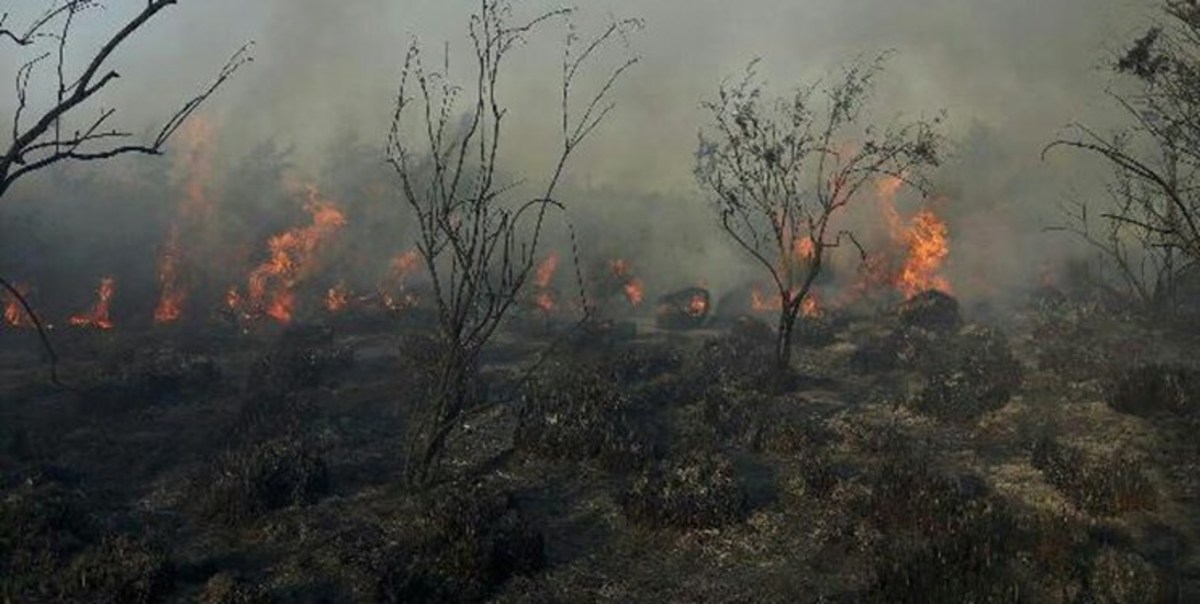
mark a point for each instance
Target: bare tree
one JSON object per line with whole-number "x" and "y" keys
{"x": 1153, "y": 214}
{"x": 778, "y": 171}
{"x": 478, "y": 243}
{"x": 45, "y": 136}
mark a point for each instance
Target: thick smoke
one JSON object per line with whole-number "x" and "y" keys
{"x": 318, "y": 97}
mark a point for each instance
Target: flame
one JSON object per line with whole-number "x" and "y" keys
{"x": 544, "y": 301}
{"x": 698, "y": 305}
{"x": 924, "y": 239}
{"x": 760, "y": 302}
{"x": 196, "y": 162}
{"x": 337, "y": 298}
{"x": 927, "y": 250}
{"x": 98, "y": 315}
{"x": 392, "y": 291}
{"x": 292, "y": 258}
{"x": 811, "y": 306}
{"x": 632, "y": 286}
{"x": 546, "y": 270}
{"x": 172, "y": 296}
{"x": 14, "y": 313}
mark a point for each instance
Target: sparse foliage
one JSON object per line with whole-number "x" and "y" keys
{"x": 1150, "y": 226}
{"x": 478, "y": 244}
{"x": 43, "y": 136}
{"x": 778, "y": 171}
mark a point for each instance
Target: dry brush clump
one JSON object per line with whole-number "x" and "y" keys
{"x": 974, "y": 374}
{"x": 1103, "y": 485}
{"x": 578, "y": 410}
{"x": 247, "y": 483}
{"x": 143, "y": 377}
{"x": 1154, "y": 389}
{"x": 697, "y": 491}
{"x": 121, "y": 569}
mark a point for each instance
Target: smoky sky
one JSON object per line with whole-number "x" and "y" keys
{"x": 1009, "y": 74}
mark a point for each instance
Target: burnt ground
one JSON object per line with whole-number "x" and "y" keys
{"x": 1050, "y": 454}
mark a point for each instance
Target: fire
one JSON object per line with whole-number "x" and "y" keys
{"x": 698, "y": 305}
{"x": 337, "y": 298}
{"x": 546, "y": 270}
{"x": 760, "y": 302}
{"x": 925, "y": 241}
{"x": 196, "y": 163}
{"x": 544, "y": 298}
{"x": 811, "y": 306}
{"x": 632, "y": 286}
{"x": 392, "y": 291}
{"x": 927, "y": 250}
{"x": 14, "y": 314}
{"x": 98, "y": 315}
{"x": 170, "y": 301}
{"x": 292, "y": 258}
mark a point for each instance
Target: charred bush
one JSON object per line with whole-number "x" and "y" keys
{"x": 975, "y": 375}
{"x": 41, "y": 528}
{"x": 247, "y": 483}
{"x": 291, "y": 369}
{"x": 578, "y": 411}
{"x": 946, "y": 539}
{"x": 141, "y": 378}
{"x": 270, "y": 414}
{"x": 694, "y": 492}
{"x": 226, "y": 588}
{"x": 466, "y": 542}
{"x": 902, "y": 348}
{"x": 687, "y": 308}
{"x": 1100, "y": 485}
{"x": 121, "y": 569}
{"x": 743, "y": 358}
{"x": 1152, "y": 389}
{"x": 1121, "y": 576}
{"x": 932, "y": 310}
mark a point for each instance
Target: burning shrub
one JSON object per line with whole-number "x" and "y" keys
{"x": 466, "y": 541}
{"x": 1108, "y": 485}
{"x": 1151, "y": 389}
{"x": 698, "y": 491}
{"x": 578, "y": 411}
{"x": 272, "y": 475}
{"x": 931, "y": 309}
{"x": 121, "y": 569}
{"x": 685, "y": 309}
{"x": 974, "y": 375}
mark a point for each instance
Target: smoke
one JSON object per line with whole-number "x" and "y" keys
{"x": 1009, "y": 75}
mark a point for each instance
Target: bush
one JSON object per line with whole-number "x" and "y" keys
{"x": 296, "y": 368}
{"x": 465, "y": 542}
{"x": 1118, "y": 576}
{"x": 247, "y": 483}
{"x": 225, "y": 588}
{"x": 41, "y": 528}
{"x": 974, "y": 375}
{"x": 1153, "y": 389}
{"x": 121, "y": 570}
{"x": 1105, "y": 486}
{"x": 932, "y": 310}
{"x": 698, "y": 491}
{"x": 577, "y": 411}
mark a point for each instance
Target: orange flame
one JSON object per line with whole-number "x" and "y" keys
{"x": 632, "y": 286}
{"x": 927, "y": 250}
{"x": 392, "y": 291}
{"x": 698, "y": 305}
{"x": 14, "y": 313}
{"x": 337, "y": 298}
{"x": 925, "y": 240}
{"x": 293, "y": 256}
{"x": 196, "y": 161}
{"x": 546, "y": 270}
{"x": 97, "y": 316}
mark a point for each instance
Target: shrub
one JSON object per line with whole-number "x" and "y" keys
{"x": 245, "y": 484}
{"x": 697, "y": 491}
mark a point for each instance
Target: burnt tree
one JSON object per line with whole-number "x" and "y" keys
{"x": 777, "y": 172}
{"x": 478, "y": 240}
{"x": 44, "y": 134}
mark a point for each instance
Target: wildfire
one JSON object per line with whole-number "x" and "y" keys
{"x": 14, "y": 314}
{"x": 760, "y": 302}
{"x": 292, "y": 258}
{"x": 196, "y": 163}
{"x": 393, "y": 288}
{"x": 544, "y": 298}
{"x": 98, "y": 315}
{"x": 925, "y": 240}
{"x": 698, "y": 305}
{"x": 632, "y": 286}
{"x": 337, "y": 298}
{"x": 172, "y": 296}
